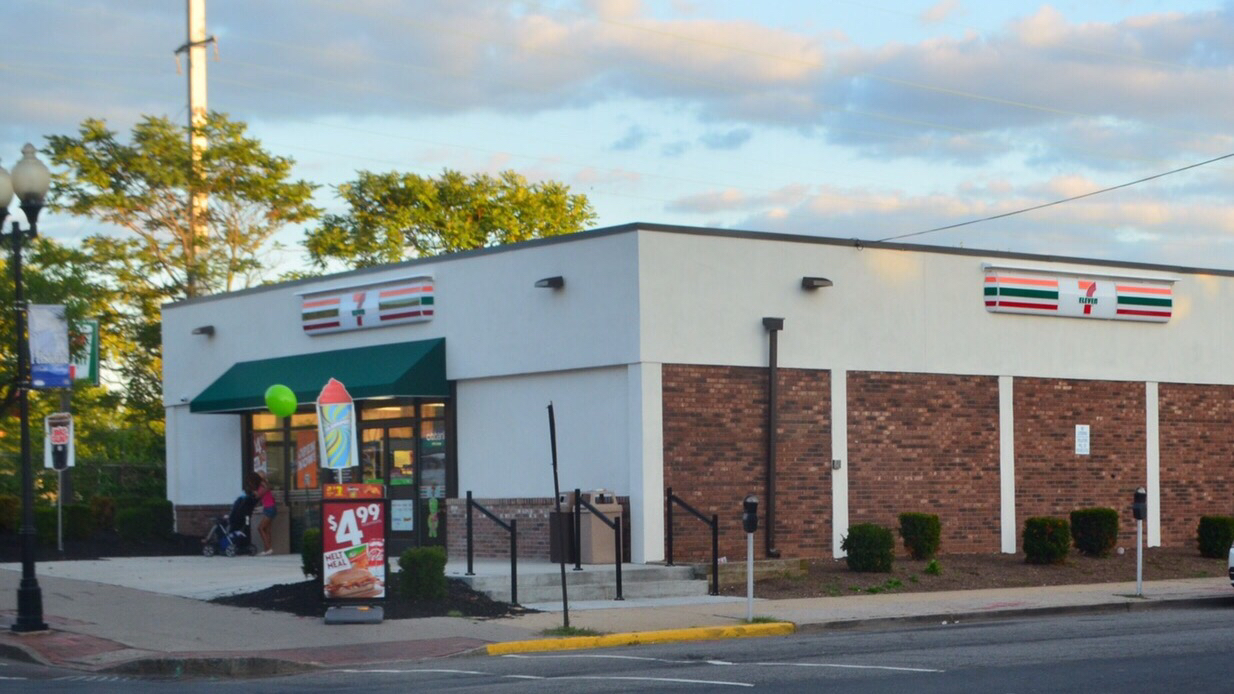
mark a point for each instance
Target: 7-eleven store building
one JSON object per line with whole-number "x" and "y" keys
{"x": 985, "y": 387}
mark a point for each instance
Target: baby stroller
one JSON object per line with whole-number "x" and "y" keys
{"x": 232, "y": 534}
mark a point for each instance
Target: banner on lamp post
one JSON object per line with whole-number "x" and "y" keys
{"x": 85, "y": 366}
{"x": 49, "y": 346}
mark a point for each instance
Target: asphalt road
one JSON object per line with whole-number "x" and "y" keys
{"x": 1178, "y": 650}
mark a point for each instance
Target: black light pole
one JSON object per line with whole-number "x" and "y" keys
{"x": 30, "y": 181}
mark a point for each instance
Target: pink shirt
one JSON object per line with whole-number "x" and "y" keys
{"x": 266, "y": 497}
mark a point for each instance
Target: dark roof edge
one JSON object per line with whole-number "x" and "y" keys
{"x": 724, "y": 233}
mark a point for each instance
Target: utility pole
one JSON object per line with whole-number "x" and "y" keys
{"x": 195, "y": 47}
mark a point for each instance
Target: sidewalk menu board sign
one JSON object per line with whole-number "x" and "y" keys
{"x": 353, "y": 542}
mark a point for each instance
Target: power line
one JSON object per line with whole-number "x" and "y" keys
{"x": 1059, "y": 202}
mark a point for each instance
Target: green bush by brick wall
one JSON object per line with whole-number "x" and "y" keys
{"x": 921, "y": 532}
{"x": 1094, "y": 530}
{"x": 422, "y": 573}
{"x": 868, "y": 548}
{"x": 310, "y": 553}
{"x": 134, "y": 524}
{"x": 1214, "y": 535}
{"x": 1046, "y": 540}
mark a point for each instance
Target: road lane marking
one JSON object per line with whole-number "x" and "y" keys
{"x": 620, "y": 678}
{"x": 852, "y": 667}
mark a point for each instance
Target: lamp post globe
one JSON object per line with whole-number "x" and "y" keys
{"x": 29, "y": 181}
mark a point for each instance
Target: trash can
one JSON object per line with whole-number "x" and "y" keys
{"x": 596, "y": 538}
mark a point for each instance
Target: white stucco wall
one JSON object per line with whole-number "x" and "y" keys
{"x": 495, "y": 321}
{"x": 893, "y": 310}
{"x": 203, "y": 454}
{"x": 503, "y": 433}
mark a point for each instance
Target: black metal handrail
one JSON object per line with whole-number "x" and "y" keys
{"x": 614, "y": 523}
{"x": 512, "y": 528}
{"x": 715, "y": 536}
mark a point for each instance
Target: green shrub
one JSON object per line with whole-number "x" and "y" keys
{"x": 10, "y": 513}
{"x": 1046, "y": 540}
{"x": 310, "y": 553}
{"x": 422, "y": 573}
{"x": 934, "y": 568}
{"x": 921, "y": 532}
{"x": 78, "y": 522}
{"x": 45, "y": 525}
{"x": 1094, "y": 530}
{"x": 103, "y": 508}
{"x": 1215, "y": 535}
{"x": 135, "y": 524}
{"x": 162, "y": 517}
{"x": 869, "y": 548}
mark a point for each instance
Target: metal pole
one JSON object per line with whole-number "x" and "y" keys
{"x": 29, "y": 595}
{"x": 470, "y": 571}
{"x": 668, "y": 525}
{"x": 749, "y": 577}
{"x": 514, "y": 561}
{"x": 578, "y": 530}
{"x": 715, "y": 554}
{"x": 617, "y": 534}
{"x": 60, "y": 514}
{"x": 552, "y": 438}
{"x": 1139, "y": 558}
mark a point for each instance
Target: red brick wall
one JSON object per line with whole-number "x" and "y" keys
{"x": 1050, "y": 479}
{"x": 1197, "y": 457}
{"x": 926, "y": 443}
{"x": 491, "y": 541}
{"x": 715, "y": 452}
{"x": 198, "y": 520}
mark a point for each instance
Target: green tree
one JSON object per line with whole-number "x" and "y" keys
{"x": 395, "y": 216}
{"x": 145, "y": 186}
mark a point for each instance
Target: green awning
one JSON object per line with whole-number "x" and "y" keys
{"x": 404, "y": 369}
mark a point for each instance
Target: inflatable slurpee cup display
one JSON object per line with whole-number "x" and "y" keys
{"x": 336, "y": 426}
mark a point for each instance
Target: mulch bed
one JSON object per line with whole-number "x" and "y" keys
{"x": 304, "y": 599}
{"x": 831, "y": 578}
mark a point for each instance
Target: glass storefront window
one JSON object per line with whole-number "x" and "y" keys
{"x": 266, "y": 422}
{"x": 307, "y": 419}
{"x": 432, "y": 459}
{"x": 402, "y": 456}
{"x": 372, "y": 456}
{"x": 433, "y": 410}
{"x": 375, "y": 411}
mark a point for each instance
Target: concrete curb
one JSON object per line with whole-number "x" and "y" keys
{"x": 635, "y": 638}
{"x": 219, "y": 666}
{"x": 993, "y": 615}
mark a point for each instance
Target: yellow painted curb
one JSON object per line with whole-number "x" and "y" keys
{"x": 635, "y": 638}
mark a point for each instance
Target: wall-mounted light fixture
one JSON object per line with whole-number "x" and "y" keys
{"x": 207, "y": 330}
{"x": 815, "y": 282}
{"x": 551, "y": 282}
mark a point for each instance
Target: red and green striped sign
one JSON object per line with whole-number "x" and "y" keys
{"x": 370, "y": 306}
{"x": 1009, "y": 290}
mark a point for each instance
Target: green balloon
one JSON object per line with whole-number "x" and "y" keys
{"x": 280, "y": 400}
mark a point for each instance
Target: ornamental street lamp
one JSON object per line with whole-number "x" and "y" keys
{"x": 30, "y": 181}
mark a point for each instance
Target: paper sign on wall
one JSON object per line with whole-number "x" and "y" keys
{"x": 1081, "y": 439}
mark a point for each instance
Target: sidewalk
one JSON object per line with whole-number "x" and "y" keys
{"x": 148, "y": 616}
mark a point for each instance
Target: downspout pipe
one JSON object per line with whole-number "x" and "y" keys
{"x": 773, "y": 326}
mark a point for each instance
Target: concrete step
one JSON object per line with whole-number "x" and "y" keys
{"x": 541, "y": 583}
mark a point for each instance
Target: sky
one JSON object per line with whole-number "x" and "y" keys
{"x": 836, "y": 118}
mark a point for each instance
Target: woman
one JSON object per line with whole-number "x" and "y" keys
{"x": 265, "y": 496}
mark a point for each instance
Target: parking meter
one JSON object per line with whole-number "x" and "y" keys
{"x": 749, "y": 513}
{"x": 749, "y": 522}
{"x": 1139, "y": 509}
